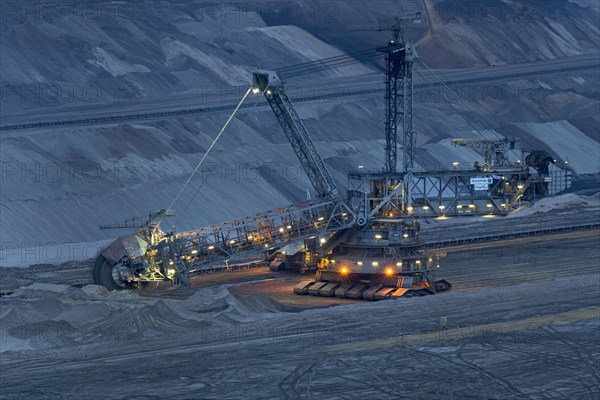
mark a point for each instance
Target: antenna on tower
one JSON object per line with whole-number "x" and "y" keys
{"x": 396, "y": 26}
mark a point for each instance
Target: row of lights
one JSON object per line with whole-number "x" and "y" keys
{"x": 388, "y": 270}
{"x": 379, "y": 237}
{"x": 283, "y": 230}
{"x": 458, "y": 206}
{"x": 250, "y": 237}
{"x": 256, "y": 90}
{"x": 373, "y": 263}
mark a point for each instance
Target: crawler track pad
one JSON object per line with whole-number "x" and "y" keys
{"x": 329, "y": 289}
{"x": 314, "y": 289}
{"x": 442, "y": 285}
{"x": 370, "y": 292}
{"x": 384, "y": 293}
{"x": 398, "y": 293}
{"x": 342, "y": 291}
{"x": 302, "y": 287}
{"x": 357, "y": 292}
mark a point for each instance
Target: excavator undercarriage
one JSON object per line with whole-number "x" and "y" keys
{"x": 385, "y": 260}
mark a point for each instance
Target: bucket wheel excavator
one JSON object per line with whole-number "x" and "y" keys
{"x": 363, "y": 244}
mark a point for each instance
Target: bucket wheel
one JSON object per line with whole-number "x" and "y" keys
{"x": 107, "y": 275}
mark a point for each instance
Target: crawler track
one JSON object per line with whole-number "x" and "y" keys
{"x": 361, "y": 291}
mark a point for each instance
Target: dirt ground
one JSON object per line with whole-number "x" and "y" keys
{"x": 523, "y": 323}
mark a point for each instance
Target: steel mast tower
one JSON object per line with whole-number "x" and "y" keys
{"x": 399, "y": 57}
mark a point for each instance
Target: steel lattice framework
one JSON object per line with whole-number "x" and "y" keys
{"x": 269, "y": 83}
{"x": 189, "y": 252}
{"x": 398, "y": 104}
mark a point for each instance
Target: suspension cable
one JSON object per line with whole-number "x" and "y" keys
{"x": 189, "y": 203}
{"x": 210, "y": 148}
{"x": 326, "y": 60}
{"x": 326, "y": 64}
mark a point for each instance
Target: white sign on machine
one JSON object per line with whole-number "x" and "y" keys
{"x": 481, "y": 183}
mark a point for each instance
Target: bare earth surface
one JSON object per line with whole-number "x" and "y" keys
{"x": 523, "y": 323}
